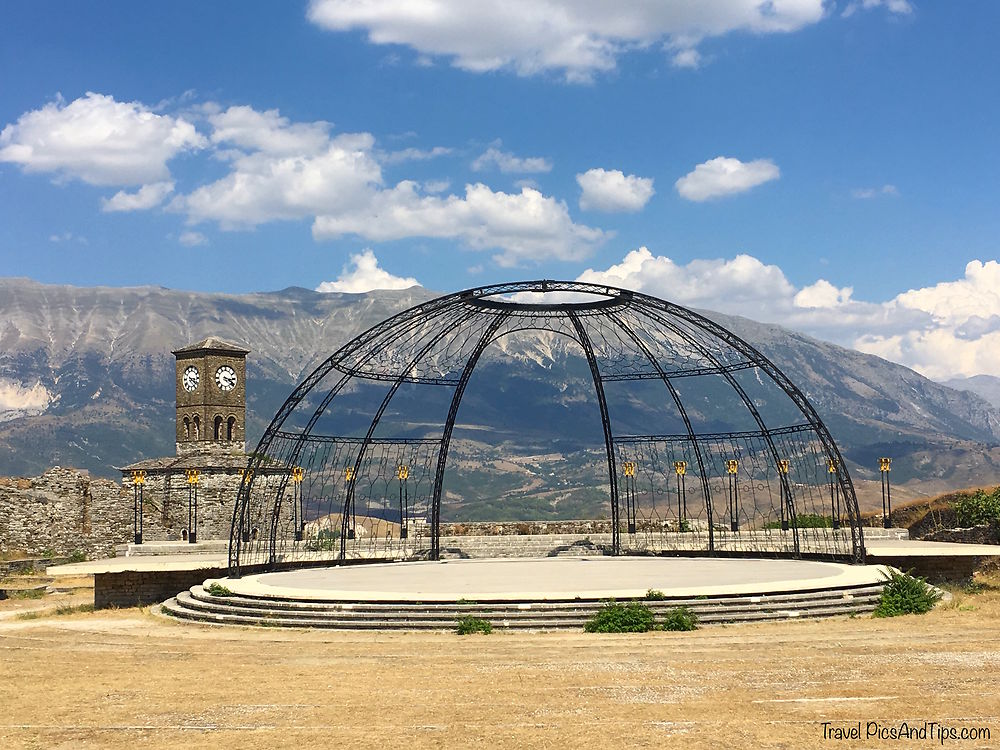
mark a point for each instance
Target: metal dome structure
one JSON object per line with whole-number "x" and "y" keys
{"x": 708, "y": 447}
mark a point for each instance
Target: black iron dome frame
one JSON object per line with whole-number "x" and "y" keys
{"x": 306, "y": 460}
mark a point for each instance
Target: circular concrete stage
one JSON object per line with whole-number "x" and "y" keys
{"x": 552, "y": 578}
{"x": 533, "y": 593}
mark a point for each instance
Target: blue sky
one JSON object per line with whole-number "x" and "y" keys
{"x": 831, "y": 166}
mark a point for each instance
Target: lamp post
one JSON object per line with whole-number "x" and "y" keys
{"x": 138, "y": 481}
{"x": 348, "y": 478}
{"x": 245, "y": 522}
{"x": 628, "y": 468}
{"x": 885, "y": 466}
{"x": 402, "y": 474}
{"x": 782, "y": 481}
{"x": 732, "y": 467}
{"x": 192, "y": 480}
{"x": 680, "y": 469}
{"x": 298, "y": 522}
{"x": 831, "y": 468}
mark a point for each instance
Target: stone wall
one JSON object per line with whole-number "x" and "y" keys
{"x": 62, "y": 512}
{"x": 165, "y": 504}
{"x": 134, "y": 588}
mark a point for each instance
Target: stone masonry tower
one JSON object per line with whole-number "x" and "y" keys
{"x": 211, "y": 397}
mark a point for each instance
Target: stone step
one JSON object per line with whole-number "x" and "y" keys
{"x": 430, "y": 611}
{"x": 197, "y": 604}
{"x": 173, "y": 608}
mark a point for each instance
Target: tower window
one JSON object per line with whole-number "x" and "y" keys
{"x": 187, "y": 428}
{"x": 197, "y": 428}
{"x": 231, "y": 429}
{"x": 218, "y": 427}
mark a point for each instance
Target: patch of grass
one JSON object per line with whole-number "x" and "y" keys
{"x": 680, "y": 619}
{"x": 217, "y": 589}
{"x": 905, "y": 594}
{"x": 634, "y": 617}
{"x": 65, "y": 609}
{"x": 26, "y": 594}
{"x": 654, "y": 595}
{"x": 468, "y": 625}
{"x": 77, "y": 556}
{"x": 466, "y": 601}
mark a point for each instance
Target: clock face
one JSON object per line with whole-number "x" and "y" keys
{"x": 225, "y": 378}
{"x": 190, "y": 378}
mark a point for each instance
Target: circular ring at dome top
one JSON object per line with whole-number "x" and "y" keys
{"x": 494, "y": 297}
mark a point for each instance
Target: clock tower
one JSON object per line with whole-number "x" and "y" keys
{"x": 211, "y": 397}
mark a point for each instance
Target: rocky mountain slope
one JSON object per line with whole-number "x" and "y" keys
{"x": 86, "y": 378}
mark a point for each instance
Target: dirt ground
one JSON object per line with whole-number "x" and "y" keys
{"x": 131, "y": 679}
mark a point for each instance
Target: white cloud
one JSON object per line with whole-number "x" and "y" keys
{"x": 191, "y": 239}
{"x": 98, "y": 140}
{"x": 18, "y": 398}
{"x": 362, "y": 274}
{"x": 414, "y": 154}
{"x": 866, "y": 193}
{"x": 686, "y": 58}
{"x": 68, "y": 237}
{"x": 945, "y": 330}
{"x": 509, "y": 163}
{"x": 577, "y": 39}
{"x": 611, "y": 190}
{"x": 723, "y": 176}
{"x": 267, "y": 186}
{"x": 268, "y": 132}
{"x": 145, "y": 198}
{"x": 436, "y": 186}
{"x": 525, "y": 226}
{"x": 900, "y": 7}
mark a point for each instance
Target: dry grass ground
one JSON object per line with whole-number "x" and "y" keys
{"x": 129, "y": 679}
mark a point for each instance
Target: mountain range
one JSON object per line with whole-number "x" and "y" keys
{"x": 86, "y": 380}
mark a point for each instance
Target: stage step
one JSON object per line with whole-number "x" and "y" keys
{"x": 197, "y": 604}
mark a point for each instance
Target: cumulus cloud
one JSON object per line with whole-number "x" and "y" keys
{"x": 525, "y": 226}
{"x": 268, "y": 132}
{"x": 611, "y": 190}
{"x": 145, "y": 198}
{"x": 362, "y": 273}
{"x": 945, "y": 330}
{"x": 98, "y": 140}
{"x": 724, "y": 176}
{"x": 509, "y": 163}
{"x": 569, "y": 37}
{"x": 866, "y": 193}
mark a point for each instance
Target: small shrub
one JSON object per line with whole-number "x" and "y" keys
{"x": 78, "y": 556}
{"x": 680, "y": 618}
{"x": 904, "y": 594}
{"x": 466, "y": 601}
{"x": 217, "y": 589}
{"x": 26, "y": 593}
{"x": 634, "y": 617}
{"x": 978, "y": 508}
{"x": 469, "y": 624}
{"x": 655, "y": 595}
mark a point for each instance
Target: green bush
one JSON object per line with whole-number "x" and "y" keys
{"x": 978, "y": 508}
{"x": 78, "y": 556}
{"x": 655, "y": 595}
{"x": 634, "y": 617}
{"x": 217, "y": 589}
{"x": 904, "y": 594}
{"x": 680, "y": 618}
{"x": 469, "y": 624}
